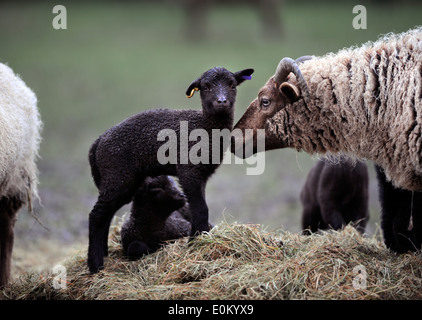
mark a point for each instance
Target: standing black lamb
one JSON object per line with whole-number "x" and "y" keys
{"x": 335, "y": 195}
{"x": 159, "y": 213}
{"x": 123, "y": 156}
{"x": 401, "y": 215}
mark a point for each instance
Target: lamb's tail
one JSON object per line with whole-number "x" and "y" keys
{"x": 93, "y": 162}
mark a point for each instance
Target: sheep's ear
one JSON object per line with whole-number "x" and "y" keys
{"x": 243, "y": 75}
{"x": 290, "y": 91}
{"x": 194, "y": 86}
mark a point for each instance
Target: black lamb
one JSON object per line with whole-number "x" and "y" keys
{"x": 123, "y": 156}
{"x": 401, "y": 215}
{"x": 159, "y": 213}
{"x": 335, "y": 195}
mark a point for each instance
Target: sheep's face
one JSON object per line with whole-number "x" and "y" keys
{"x": 217, "y": 88}
{"x": 161, "y": 194}
{"x": 271, "y": 99}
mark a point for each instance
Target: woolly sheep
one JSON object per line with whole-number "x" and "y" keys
{"x": 334, "y": 195}
{"x": 401, "y": 215}
{"x": 159, "y": 213}
{"x": 365, "y": 102}
{"x": 123, "y": 156}
{"x": 19, "y": 142}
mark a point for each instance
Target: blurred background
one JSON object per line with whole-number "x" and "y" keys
{"x": 117, "y": 58}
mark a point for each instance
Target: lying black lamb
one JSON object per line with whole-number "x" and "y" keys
{"x": 159, "y": 213}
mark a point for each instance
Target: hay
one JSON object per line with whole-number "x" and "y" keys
{"x": 240, "y": 262}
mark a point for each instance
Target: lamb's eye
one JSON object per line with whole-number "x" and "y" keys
{"x": 233, "y": 87}
{"x": 265, "y": 102}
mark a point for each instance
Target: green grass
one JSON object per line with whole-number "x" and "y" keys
{"x": 117, "y": 59}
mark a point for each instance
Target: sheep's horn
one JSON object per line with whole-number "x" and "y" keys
{"x": 303, "y": 59}
{"x": 288, "y": 65}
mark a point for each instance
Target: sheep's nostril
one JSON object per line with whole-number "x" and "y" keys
{"x": 221, "y": 103}
{"x": 221, "y": 99}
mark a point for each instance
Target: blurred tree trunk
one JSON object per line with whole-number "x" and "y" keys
{"x": 196, "y": 15}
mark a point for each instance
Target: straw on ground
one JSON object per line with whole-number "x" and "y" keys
{"x": 235, "y": 261}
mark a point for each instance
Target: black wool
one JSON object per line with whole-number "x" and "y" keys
{"x": 159, "y": 214}
{"x": 335, "y": 195}
{"x": 123, "y": 156}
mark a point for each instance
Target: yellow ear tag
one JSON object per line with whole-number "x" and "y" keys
{"x": 192, "y": 92}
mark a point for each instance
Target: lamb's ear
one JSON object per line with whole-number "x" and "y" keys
{"x": 290, "y": 91}
{"x": 145, "y": 186}
{"x": 155, "y": 191}
{"x": 147, "y": 180}
{"x": 194, "y": 86}
{"x": 243, "y": 75}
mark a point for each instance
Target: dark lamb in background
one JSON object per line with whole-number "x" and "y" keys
{"x": 123, "y": 156}
{"x": 159, "y": 213}
{"x": 401, "y": 215}
{"x": 334, "y": 195}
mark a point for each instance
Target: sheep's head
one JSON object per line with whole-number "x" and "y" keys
{"x": 278, "y": 93}
{"x": 161, "y": 194}
{"x": 217, "y": 87}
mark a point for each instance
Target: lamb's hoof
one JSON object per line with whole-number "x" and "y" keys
{"x": 95, "y": 269}
{"x": 193, "y": 236}
{"x": 137, "y": 249}
{"x": 95, "y": 264}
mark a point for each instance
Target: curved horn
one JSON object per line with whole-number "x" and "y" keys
{"x": 288, "y": 65}
{"x": 303, "y": 59}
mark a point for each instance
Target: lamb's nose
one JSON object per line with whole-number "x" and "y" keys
{"x": 221, "y": 100}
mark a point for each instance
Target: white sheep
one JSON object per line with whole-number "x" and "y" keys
{"x": 364, "y": 102}
{"x": 19, "y": 142}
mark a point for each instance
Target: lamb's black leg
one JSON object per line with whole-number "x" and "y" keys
{"x": 195, "y": 193}
{"x": 99, "y": 224}
{"x": 359, "y": 212}
{"x": 311, "y": 219}
{"x": 332, "y": 217}
{"x": 105, "y": 238}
